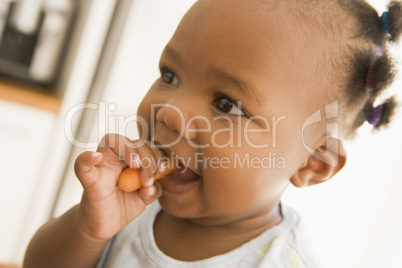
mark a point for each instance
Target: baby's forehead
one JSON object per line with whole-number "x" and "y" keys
{"x": 305, "y": 35}
{"x": 300, "y": 19}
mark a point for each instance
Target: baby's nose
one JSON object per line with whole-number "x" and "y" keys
{"x": 178, "y": 119}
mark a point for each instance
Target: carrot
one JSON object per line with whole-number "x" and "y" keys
{"x": 129, "y": 179}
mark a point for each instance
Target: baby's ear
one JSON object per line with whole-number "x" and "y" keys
{"x": 326, "y": 161}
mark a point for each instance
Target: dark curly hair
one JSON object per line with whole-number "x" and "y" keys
{"x": 372, "y": 70}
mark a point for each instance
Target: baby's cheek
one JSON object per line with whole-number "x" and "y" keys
{"x": 143, "y": 117}
{"x": 238, "y": 185}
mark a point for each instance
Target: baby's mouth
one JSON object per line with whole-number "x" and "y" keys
{"x": 181, "y": 180}
{"x": 183, "y": 174}
{"x": 180, "y": 163}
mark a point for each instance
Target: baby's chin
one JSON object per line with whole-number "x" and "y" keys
{"x": 184, "y": 205}
{"x": 192, "y": 211}
{"x": 195, "y": 212}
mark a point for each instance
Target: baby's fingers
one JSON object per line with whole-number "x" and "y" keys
{"x": 151, "y": 193}
{"x": 151, "y": 159}
{"x": 85, "y": 169}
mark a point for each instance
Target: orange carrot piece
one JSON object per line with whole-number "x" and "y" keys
{"x": 129, "y": 179}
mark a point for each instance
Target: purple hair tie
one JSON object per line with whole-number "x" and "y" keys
{"x": 375, "y": 115}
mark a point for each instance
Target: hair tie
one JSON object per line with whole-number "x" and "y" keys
{"x": 375, "y": 115}
{"x": 385, "y": 22}
{"x": 369, "y": 80}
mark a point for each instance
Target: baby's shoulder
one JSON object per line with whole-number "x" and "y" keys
{"x": 286, "y": 244}
{"x": 290, "y": 243}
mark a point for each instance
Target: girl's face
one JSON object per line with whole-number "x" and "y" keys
{"x": 228, "y": 105}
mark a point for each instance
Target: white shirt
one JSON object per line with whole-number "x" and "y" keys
{"x": 282, "y": 246}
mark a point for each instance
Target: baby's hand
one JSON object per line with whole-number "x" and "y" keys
{"x": 104, "y": 209}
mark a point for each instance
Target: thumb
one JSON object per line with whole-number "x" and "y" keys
{"x": 85, "y": 169}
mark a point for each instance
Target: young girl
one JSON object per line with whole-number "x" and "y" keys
{"x": 241, "y": 84}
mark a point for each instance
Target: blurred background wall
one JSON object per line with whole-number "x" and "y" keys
{"x": 108, "y": 60}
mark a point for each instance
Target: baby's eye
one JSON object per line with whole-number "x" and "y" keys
{"x": 226, "y": 105}
{"x": 169, "y": 77}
